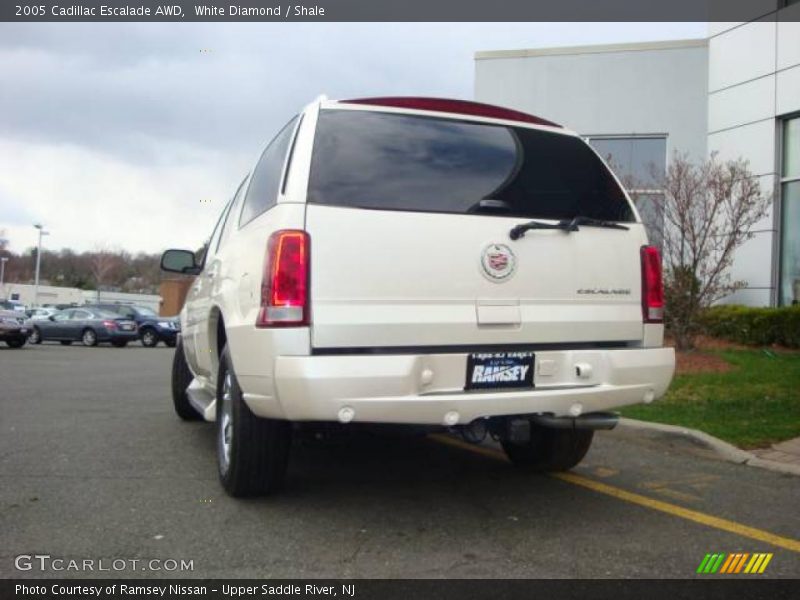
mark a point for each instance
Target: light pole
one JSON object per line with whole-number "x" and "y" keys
{"x": 42, "y": 232}
{"x": 3, "y": 261}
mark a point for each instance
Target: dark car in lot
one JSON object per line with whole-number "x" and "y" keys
{"x": 152, "y": 327}
{"x": 91, "y": 326}
{"x": 14, "y": 328}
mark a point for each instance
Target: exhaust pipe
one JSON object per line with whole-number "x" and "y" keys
{"x": 596, "y": 420}
{"x": 474, "y": 432}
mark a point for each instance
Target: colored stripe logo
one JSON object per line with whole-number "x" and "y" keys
{"x": 731, "y": 564}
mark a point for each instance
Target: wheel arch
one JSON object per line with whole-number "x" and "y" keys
{"x": 217, "y": 334}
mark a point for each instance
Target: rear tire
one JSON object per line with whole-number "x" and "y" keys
{"x": 89, "y": 338}
{"x": 181, "y": 378}
{"x": 149, "y": 338}
{"x": 16, "y": 342}
{"x": 252, "y": 453}
{"x": 550, "y": 449}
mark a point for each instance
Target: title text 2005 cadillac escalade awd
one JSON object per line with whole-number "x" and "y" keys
{"x": 425, "y": 262}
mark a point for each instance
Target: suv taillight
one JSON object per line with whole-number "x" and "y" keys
{"x": 284, "y": 287}
{"x": 652, "y": 285}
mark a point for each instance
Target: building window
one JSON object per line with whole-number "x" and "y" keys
{"x": 640, "y": 162}
{"x": 790, "y": 213}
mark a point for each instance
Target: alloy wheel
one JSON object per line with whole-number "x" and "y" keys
{"x": 225, "y": 431}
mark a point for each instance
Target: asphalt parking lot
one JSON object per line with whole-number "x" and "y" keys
{"x": 95, "y": 465}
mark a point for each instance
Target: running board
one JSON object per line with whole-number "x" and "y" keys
{"x": 202, "y": 400}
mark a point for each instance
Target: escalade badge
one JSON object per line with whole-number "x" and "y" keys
{"x": 498, "y": 262}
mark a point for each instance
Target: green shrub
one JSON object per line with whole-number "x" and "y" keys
{"x": 754, "y": 326}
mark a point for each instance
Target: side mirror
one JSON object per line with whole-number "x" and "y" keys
{"x": 179, "y": 261}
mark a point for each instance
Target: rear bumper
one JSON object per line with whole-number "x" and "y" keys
{"x": 428, "y": 389}
{"x": 115, "y": 335}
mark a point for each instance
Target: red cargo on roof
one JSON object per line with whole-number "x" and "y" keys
{"x": 463, "y": 107}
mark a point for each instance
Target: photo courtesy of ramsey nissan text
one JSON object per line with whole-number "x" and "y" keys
{"x": 367, "y": 300}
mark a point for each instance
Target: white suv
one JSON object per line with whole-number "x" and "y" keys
{"x": 426, "y": 262}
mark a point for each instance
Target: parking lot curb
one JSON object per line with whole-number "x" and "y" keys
{"x": 723, "y": 449}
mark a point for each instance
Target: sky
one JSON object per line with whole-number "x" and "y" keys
{"x": 133, "y": 136}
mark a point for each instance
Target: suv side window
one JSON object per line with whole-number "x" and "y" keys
{"x": 230, "y": 218}
{"x": 262, "y": 194}
{"x": 210, "y": 245}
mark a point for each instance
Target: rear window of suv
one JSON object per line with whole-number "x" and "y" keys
{"x": 389, "y": 161}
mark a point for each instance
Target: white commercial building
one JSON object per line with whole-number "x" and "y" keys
{"x": 736, "y": 93}
{"x": 50, "y": 295}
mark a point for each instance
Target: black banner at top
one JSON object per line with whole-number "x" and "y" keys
{"x": 397, "y": 10}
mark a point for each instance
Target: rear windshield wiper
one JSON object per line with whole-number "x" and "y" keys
{"x": 519, "y": 230}
{"x": 590, "y": 222}
{"x": 567, "y": 225}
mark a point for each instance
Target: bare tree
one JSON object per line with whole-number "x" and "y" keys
{"x": 710, "y": 209}
{"x": 102, "y": 264}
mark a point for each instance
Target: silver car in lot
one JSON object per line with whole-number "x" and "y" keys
{"x": 41, "y": 314}
{"x": 87, "y": 325}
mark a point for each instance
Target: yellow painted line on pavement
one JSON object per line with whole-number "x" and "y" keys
{"x": 621, "y": 494}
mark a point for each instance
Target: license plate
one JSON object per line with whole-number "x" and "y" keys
{"x": 23, "y": 330}
{"x": 127, "y": 327}
{"x": 499, "y": 370}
